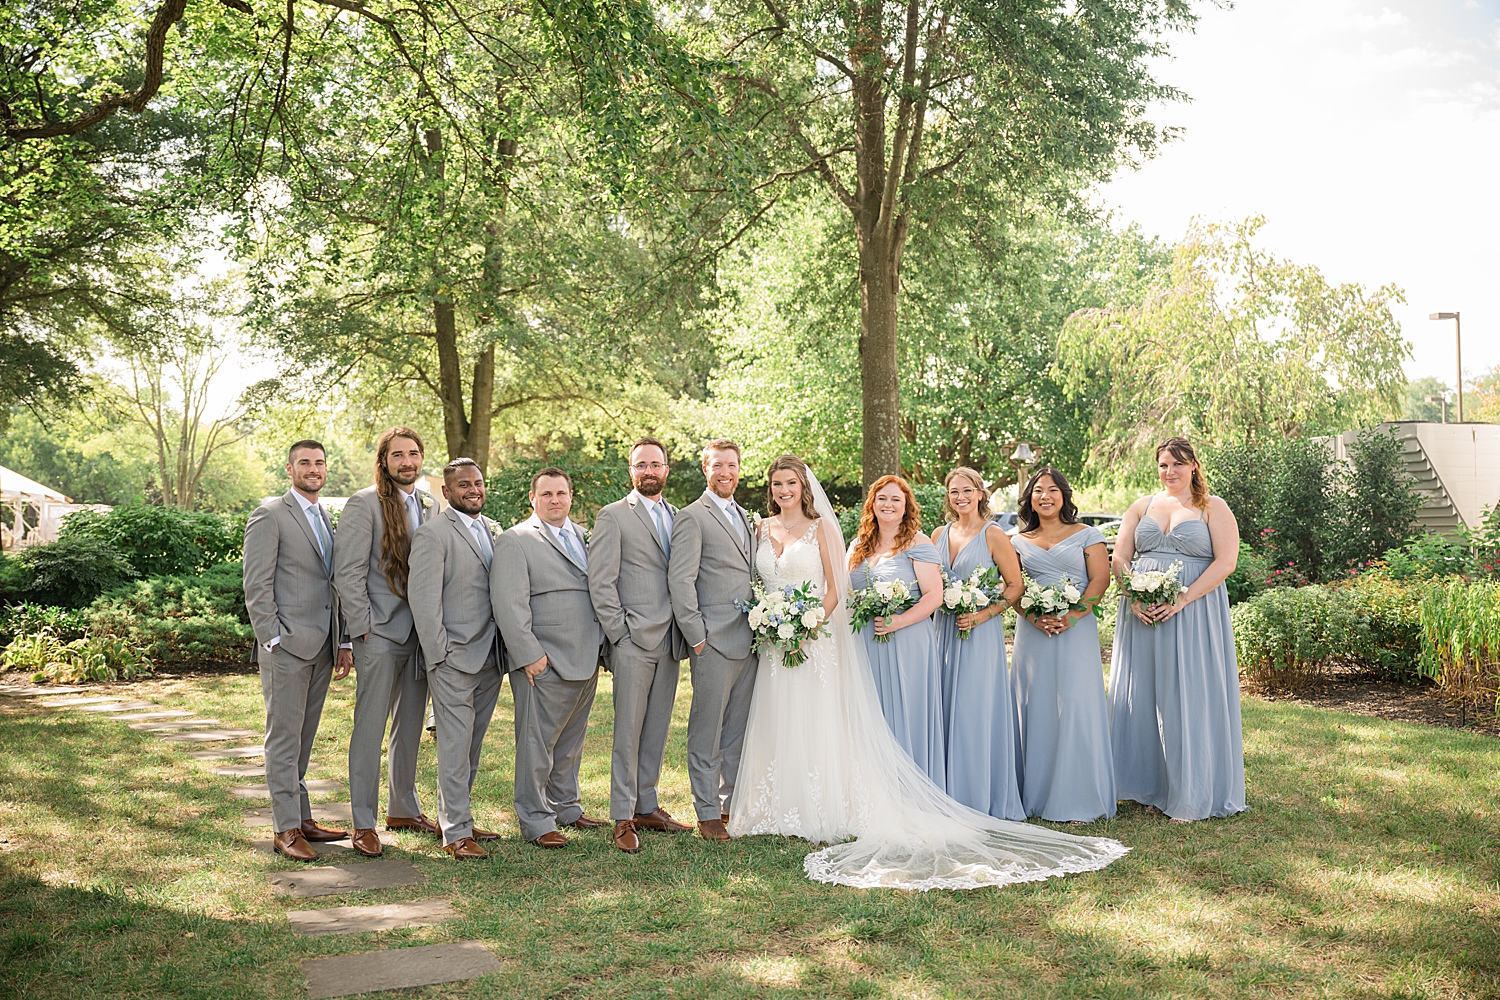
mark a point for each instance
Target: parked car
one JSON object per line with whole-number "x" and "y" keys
{"x": 1108, "y": 525}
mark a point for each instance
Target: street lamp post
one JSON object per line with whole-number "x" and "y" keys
{"x": 1458, "y": 353}
{"x": 1022, "y": 459}
{"x": 1444, "y": 401}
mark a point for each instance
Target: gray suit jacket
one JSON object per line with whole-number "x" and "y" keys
{"x": 541, "y": 601}
{"x": 628, "y": 578}
{"x": 710, "y": 569}
{"x": 288, "y": 592}
{"x": 366, "y": 597}
{"x": 449, "y": 588}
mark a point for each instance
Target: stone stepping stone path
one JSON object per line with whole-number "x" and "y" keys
{"x": 333, "y": 880}
{"x": 360, "y": 919}
{"x": 31, "y": 691}
{"x": 223, "y": 753}
{"x": 208, "y": 735}
{"x": 103, "y": 708}
{"x": 315, "y": 787}
{"x": 399, "y": 968}
{"x": 173, "y": 725}
{"x": 324, "y": 812}
{"x": 248, "y": 770}
{"x": 70, "y": 702}
{"x": 171, "y": 713}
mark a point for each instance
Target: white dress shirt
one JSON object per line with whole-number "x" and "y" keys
{"x": 557, "y": 532}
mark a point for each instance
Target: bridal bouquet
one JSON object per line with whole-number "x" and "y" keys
{"x": 1154, "y": 586}
{"x": 1058, "y": 599}
{"x": 965, "y": 597}
{"x": 881, "y": 599}
{"x": 785, "y": 619}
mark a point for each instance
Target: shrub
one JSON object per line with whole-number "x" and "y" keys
{"x": 1428, "y": 555}
{"x": 180, "y": 619}
{"x": 596, "y": 482}
{"x": 1484, "y": 541}
{"x": 1461, "y": 639}
{"x": 162, "y": 541}
{"x": 71, "y": 571}
{"x": 95, "y": 658}
{"x": 1251, "y": 571}
{"x": 1392, "y": 611}
{"x": 1376, "y": 505}
{"x": 28, "y": 619}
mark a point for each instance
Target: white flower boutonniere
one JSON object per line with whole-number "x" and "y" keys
{"x": 424, "y": 499}
{"x": 494, "y": 530}
{"x": 755, "y": 520}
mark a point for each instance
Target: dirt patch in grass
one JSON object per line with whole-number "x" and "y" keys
{"x": 1361, "y": 693}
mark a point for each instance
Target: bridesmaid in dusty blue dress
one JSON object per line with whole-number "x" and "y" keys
{"x": 1174, "y": 682}
{"x": 983, "y": 752}
{"x": 1067, "y": 772}
{"x": 907, "y": 667}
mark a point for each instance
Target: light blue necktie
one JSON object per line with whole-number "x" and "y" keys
{"x": 485, "y": 546}
{"x": 325, "y": 540}
{"x": 736, "y": 520}
{"x": 661, "y": 528}
{"x": 571, "y": 544}
{"x": 413, "y": 512}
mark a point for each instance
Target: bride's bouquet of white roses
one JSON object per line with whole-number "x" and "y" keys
{"x": 1058, "y": 599}
{"x": 785, "y": 619}
{"x": 1153, "y": 586}
{"x": 881, "y": 599}
{"x": 965, "y": 597}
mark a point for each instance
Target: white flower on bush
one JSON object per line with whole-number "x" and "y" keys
{"x": 786, "y": 630}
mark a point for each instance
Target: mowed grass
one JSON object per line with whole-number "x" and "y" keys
{"x": 1367, "y": 867}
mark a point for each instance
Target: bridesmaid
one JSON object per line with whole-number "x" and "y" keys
{"x": 1174, "y": 682}
{"x": 983, "y": 753}
{"x": 1067, "y": 773}
{"x": 908, "y": 667}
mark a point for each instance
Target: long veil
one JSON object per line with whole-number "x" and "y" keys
{"x": 912, "y": 835}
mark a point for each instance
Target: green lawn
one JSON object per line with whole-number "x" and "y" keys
{"x": 1367, "y": 867}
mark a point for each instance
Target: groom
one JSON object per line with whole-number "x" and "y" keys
{"x": 713, "y": 552}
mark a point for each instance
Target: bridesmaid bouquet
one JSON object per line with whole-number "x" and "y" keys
{"x": 965, "y": 597}
{"x": 1154, "y": 586}
{"x": 882, "y": 599}
{"x": 1058, "y": 599}
{"x": 785, "y": 619}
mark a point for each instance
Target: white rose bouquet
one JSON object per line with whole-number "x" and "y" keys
{"x": 785, "y": 619}
{"x": 1153, "y": 586}
{"x": 1058, "y": 599}
{"x": 965, "y": 597}
{"x": 881, "y": 599}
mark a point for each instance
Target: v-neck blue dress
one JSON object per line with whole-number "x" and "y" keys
{"x": 978, "y": 712}
{"x": 908, "y": 670}
{"x": 1067, "y": 770}
{"x": 1175, "y": 690}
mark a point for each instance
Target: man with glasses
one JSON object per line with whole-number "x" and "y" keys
{"x": 628, "y": 555}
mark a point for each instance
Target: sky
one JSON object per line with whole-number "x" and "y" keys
{"x": 1367, "y": 134}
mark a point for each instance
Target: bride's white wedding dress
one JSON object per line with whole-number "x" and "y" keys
{"x": 819, "y": 762}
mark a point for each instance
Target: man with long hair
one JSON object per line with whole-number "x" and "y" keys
{"x": 370, "y": 572}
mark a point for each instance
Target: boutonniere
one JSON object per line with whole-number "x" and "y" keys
{"x": 755, "y": 520}
{"x": 494, "y": 530}
{"x": 424, "y": 499}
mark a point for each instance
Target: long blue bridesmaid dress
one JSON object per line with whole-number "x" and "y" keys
{"x": 1067, "y": 770}
{"x": 908, "y": 669}
{"x": 980, "y": 717}
{"x": 1175, "y": 691}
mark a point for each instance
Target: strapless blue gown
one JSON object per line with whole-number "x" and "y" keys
{"x": 1175, "y": 691}
{"x": 908, "y": 669}
{"x": 1067, "y": 770}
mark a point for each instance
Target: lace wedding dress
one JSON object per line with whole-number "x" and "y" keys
{"x": 819, "y": 762}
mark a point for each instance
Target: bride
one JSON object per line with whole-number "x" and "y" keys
{"x": 819, "y": 761}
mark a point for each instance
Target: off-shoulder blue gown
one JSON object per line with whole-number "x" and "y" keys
{"x": 978, "y": 712}
{"x": 908, "y": 669}
{"x": 1175, "y": 691}
{"x": 1067, "y": 771}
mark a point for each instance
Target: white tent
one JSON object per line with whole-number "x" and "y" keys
{"x": 48, "y": 508}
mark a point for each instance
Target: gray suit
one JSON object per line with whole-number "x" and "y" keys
{"x": 449, "y": 587}
{"x": 290, "y": 597}
{"x": 709, "y": 570}
{"x": 541, "y": 602}
{"x": 628, "y": 583}
{"x": 391, "y": 685}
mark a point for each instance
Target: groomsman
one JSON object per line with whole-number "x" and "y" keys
{"x": 451, "y": 555}
{"x": 713, "y": 551}
{"x": 288, "y": 572}
{"x": 540, "y": 592}
{"x": 370, "y": 571}
{"x": 628, "y": 583}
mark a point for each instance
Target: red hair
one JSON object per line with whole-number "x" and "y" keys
{"x": 869, "y": 530}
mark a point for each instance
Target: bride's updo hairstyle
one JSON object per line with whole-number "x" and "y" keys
{"x": 868, "y": 535}
{"x": 1181, "y": 449}
{"x": 1030, "y": 519}
{"x": 791, "y": 463}
{"x": 973, "y": 476}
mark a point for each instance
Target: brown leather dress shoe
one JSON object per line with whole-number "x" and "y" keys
{"x": 419, "y": 823}
{"x": 625, "y": 838}
{"x": 584, "y": 822}
{"x": 552, "y": 839}
{"x": 712, "y": 829}
{"x": 485, "y": 834}
{"x": 313, "y": 831}
{"x": 661, "y": 821}
{"x": 724, "y": 818}
{"x": 291, "y": 844}
{"x": 465, "y": 848}
{"x": 366, "y": 842}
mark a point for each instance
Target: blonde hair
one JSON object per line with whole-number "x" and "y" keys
{"x": 1181, "y": 449}
{"x": 973, "y": 476}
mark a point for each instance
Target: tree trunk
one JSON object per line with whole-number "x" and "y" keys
{"x": 467, "y": 438}
{"x": 880, "y": 390}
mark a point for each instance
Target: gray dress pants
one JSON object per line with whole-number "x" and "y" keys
{"x": 552, "y": 719}
{"x": 716, "y": 727}
{"x": 645, "y": 688}
{"x": 388, "y": 689}
{"x": 463, "y": 704}
{"x": 293, "y": 690}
